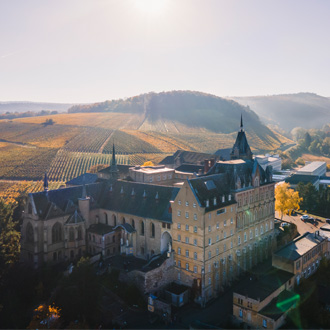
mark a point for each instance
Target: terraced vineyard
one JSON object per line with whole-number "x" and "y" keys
{"x": 91, "y": 139}
{"x": 68, "y": 165}
{"x": 21, "y": 163}
{"x": 128, "y": 144}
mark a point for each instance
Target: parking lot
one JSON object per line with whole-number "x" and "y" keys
{"x": 302, "y": 226}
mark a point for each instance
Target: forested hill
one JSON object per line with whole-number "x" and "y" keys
{"x": 193, "y": 109}
{"x": 287, "y": 111}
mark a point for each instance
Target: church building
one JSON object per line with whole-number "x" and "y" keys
{"x": 219, "y": 223}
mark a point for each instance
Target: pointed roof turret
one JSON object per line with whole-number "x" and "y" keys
{"x": 241, "y": 148}
{"x": 45, "y": 182}
{"x": 113, "y": 167}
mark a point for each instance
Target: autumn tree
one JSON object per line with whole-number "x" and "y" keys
{"x": 148, "y": 163}
{"x": 286, "y": 199}
{"x": 45, "y": 317}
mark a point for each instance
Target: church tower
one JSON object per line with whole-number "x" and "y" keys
{"x": 241, "y": 148}
{"x": 113, "y": 167}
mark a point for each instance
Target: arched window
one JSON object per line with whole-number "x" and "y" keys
{"x": 142, "y": 228}
{"x": 133, "y": 223}
{"x": 79, "y": 234}
{"x": 71, "y": 234}
{"x": 56, "y": 233}
{"x": 124, "y": 221}
{"x": 30, "y": 208}
{"x": 114, "y": 218}
{"x": 106, "y": 218}
{"x": 29, "y": 233}
{"x": 152, "y": 230}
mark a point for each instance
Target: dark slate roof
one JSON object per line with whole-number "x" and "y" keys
{"x": 127, "y": 227}
{"x": 210, "y": 187}
{"x": 224, "y": 154}
{"x": 266, "y": 284}
{"x": 65, "y": 200}
{"x": 122, "y": 169}
{"x": 128, "y": 197}
{"x": 296, "y": 178}
{"x": 242, "y": 170}
{"x": 190, "y": 168}
{"x": 100, "y": 229}
{"x": 187, "y": 157}
{"x": 280, "y": 305}
{"x": 75, "y": 218}
{"x": 241, "y": 144}
{"x": 86, "y": 178}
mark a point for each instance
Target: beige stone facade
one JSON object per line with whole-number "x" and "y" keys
{"x": 214, "y": 247}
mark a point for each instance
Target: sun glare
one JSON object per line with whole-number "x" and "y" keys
{"x": 151, "y": 6}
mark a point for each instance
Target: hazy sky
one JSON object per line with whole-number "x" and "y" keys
{"x": 93, "y": 50}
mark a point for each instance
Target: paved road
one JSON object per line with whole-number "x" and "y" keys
{"x": 302, "y": 226}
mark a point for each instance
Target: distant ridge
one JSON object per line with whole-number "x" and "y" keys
{"x": 25, "y": 106}
{"x": 287, "y": 111}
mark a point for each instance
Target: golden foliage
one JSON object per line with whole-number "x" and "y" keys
{"x": 148, "y": 163}
{"x": 45, "y": 317}
{"x": 11, "y": 190}
{"x": 286, "y": 199}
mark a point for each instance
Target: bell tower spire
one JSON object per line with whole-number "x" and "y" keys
{"x": 113, "y": 167}
{"x": 241, "y": 127}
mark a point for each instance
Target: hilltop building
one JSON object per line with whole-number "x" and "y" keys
{"x": 215, "y": 225}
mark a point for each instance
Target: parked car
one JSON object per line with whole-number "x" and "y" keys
{"x": 284, "y": 224}
{"x": 304, "y": 217}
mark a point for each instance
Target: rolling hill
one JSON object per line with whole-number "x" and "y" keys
{"x": 288, "y": 111}
{"x": 145, "y": 127}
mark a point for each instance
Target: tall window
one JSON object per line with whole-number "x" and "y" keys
{"x": 106, "y": 218}
{"x": 29, "y": 233}
{"x": 56, "y": 233}
{"x": 79, "y": 234}
{"x": 114, "y": 220}
{"x": 133, "y": 223}
{"x": 142, "y": 228}
{"x": 71, "y": 234}
{"x": 152, "y": 230}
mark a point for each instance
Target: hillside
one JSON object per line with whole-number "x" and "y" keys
{"x": 32, "y": 106}
{"x": 168, "y": 111}
{"x": 305, "y": 110}
{"x": 151, "y": 130}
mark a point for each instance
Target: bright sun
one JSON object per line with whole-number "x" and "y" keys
{"x": 151, "y": 6}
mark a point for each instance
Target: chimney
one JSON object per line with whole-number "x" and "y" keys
{"x": 206, "y": 166}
